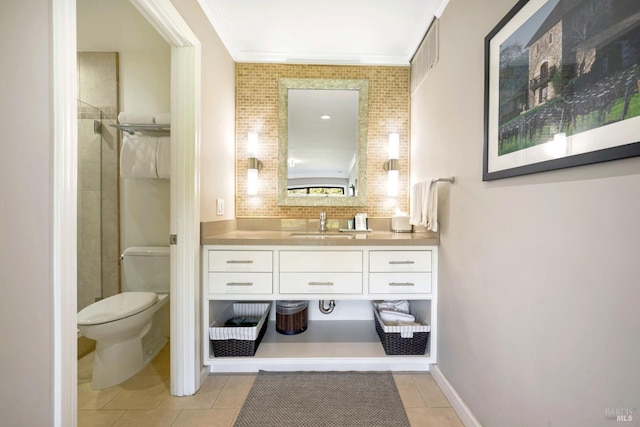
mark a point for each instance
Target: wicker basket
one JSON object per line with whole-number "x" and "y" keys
{"x": 402, "y": 340}
{"x": 239, "y": 341}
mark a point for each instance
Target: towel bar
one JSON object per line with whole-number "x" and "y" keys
{"x": 449, "y": 180}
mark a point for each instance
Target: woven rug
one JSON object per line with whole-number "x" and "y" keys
{"x": 315, "y": 399}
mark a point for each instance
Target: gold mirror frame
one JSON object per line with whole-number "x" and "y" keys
{"x": 283, "y": 141}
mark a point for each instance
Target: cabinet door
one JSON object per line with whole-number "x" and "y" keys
{"x": 399, "y": 261}
{"x": 400, "y": 283}
{"x": 245, "y": 261}
{"x": 321, "y": 283}
{"x": 240, "y": 283}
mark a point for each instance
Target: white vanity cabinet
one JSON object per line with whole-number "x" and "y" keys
{"x": 321, "y": 272}
{"x": 400, "y": 272}
{"x": 353, "y": 275}
{"x": 239, "y": 272}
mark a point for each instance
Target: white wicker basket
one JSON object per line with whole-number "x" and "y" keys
{"x": 218, "y": 331}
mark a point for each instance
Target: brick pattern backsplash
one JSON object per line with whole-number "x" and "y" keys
{"x": 257, "y": 111}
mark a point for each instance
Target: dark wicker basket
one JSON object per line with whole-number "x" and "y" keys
{"x": 235, "y": 348}
{"x": 395, "y": 345}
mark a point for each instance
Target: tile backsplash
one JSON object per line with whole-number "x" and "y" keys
{"x": 257, "y": 111}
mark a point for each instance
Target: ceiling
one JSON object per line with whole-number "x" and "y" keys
{"x": 366, "y": 32}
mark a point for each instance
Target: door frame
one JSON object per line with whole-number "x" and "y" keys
{"x": 186, "y": 365}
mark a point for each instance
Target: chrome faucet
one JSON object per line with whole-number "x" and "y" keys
{"x": 323, "y": 222}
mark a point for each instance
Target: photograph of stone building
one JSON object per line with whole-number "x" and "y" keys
{"x": 578, "y": 70}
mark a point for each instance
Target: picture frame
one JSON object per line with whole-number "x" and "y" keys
{"x": 562, "y": 86}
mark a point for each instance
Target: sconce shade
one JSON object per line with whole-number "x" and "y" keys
{"x": 252, "y": 182}
{"x": 252, "y": 144}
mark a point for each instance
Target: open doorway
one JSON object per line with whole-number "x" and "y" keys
{"x": 185, "y": 75}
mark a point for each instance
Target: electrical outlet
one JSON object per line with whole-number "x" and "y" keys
{"x": 219, "y": 206}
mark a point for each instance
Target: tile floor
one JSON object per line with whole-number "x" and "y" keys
{"x": 144, "y": 399}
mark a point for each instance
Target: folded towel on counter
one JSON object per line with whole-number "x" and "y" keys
{"x": 163, "y": 156}
{"x": 138, "y": 156}
{"x": 134, "y": 118}
{"x": 163, "y": 119}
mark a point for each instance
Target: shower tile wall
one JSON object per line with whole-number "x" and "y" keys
{"x": 98, "y": 229}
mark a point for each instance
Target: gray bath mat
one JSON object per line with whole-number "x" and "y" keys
{"x": 315, "y": 399}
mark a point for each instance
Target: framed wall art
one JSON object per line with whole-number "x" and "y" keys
{"x": 562, "y": 83}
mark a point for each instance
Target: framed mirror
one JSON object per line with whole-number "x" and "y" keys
{"x": 322, "y": 142}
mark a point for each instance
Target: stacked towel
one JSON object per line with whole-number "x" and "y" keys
{"x": 424, "y": 205}
{"x": 134, "y": 118}
{"x": 396, "y": 313}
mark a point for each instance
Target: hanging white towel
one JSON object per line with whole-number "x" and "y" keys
{"x": 163, "y": 165}
{"x": 424, "y": 205}
{"x": 432, "y": 207}
{"x": 134, "y": 118}
{"x": 138, "y": 156}
{"x": 163, "y": 119}
{"x": 418, "y": 204}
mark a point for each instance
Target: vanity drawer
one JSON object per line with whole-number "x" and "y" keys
{"x": 321, "y": 261}
{"x": 400, "y": 283}
{"x": 244, "y": 261}
{"x": 240, "y": 283}
{"x": 399, "y": 261}
{"x": 320, "y": 283}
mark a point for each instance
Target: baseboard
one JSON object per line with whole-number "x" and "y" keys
{"x": 458, "y": 405}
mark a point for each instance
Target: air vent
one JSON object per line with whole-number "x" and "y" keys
{"x": 426, "y": 56}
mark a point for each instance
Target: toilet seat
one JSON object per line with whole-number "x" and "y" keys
{"x": 116, "y": 307}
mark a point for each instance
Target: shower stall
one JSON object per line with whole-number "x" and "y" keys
{"x": 98, "y": 185}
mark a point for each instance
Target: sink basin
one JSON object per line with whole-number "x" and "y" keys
{"x": 322, "y": 235}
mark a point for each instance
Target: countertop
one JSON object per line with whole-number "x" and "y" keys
{"x": 331, "y": 238}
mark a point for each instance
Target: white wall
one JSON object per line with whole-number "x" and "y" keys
{"x": 217, "y": 150}
{"x": 144, "y": 87}
{"x": 539, "y": 297}
{"x": 26, "y": 215}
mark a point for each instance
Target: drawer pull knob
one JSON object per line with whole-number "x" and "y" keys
{"x": 240, "y": 284}
{"x": 320, "y": 283}
{"x": 401, "y": 284}
{"x": 401, "y": 262}
{"x": 233, "y": 261}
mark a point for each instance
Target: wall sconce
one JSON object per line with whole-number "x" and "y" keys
{"x": 391, "y": 165}
{"x": 253, "y": 164}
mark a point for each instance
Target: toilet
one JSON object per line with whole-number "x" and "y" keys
{"x": 130, "y": 328}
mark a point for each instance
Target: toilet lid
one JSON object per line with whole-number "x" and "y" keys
{"x": 116, "y": 307}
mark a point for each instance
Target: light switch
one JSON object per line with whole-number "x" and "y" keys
{"x": 219, "y": 206}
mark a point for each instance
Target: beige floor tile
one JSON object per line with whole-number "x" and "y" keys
{"x": 140, "y": 397}
{"x": 430, "y": 391}
{"x": 433, "y": 417}
{"x": 89, "y": 398}
{"x": 203, "y": 399}
{"x": 234, "y": 392}
{"x": 409, "y": 393}
{"x": 148, "y": 418}
{"x": 206, "y": 418}
{"x": 95, "y": 418}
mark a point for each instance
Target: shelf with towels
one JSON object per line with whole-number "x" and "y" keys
{"x": 131, "y": 128}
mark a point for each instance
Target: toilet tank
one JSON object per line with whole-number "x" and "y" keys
{"x": 145, "y": 268}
